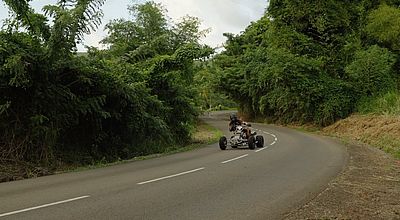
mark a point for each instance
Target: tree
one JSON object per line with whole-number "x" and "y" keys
{"x": 38, "y": 78}
{"x": 384, "y": 26}
{"x": 310, "y": 61}
{"x": 164, "y": 55}
{"x": 134, "y": 99}
{"x": 149, "y": 25}
{"x": 372, "y": 71}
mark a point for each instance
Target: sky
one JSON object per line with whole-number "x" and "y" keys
{"x": 222, "y": 16}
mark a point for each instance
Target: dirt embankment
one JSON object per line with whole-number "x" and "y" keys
{"x": 379, "y": 131}
{"x": 369, "y": 187}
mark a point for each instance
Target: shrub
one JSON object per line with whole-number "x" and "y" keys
{"x": 372, "y": 71}
{"x": 386, "y": 104}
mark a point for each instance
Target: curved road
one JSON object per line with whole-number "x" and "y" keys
{"x": 202, "y": 184}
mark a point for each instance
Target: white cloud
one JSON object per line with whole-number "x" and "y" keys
{"x": 222, "y": 16}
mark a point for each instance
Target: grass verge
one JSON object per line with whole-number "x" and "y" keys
{"x": 384, "y": 104}
{"x": 379, "y": 131}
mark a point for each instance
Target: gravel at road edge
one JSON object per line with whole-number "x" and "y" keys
{"x": 368, "y": 188}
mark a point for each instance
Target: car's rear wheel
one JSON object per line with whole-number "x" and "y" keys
{"x": 252, "y": 142}
{"x": 223, "y": 143}
{"x": 260, "y": 141}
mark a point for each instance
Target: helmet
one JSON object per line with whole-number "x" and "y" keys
{"x": 233, "y": 117}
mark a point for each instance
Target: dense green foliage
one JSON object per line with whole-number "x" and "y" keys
{"x": 384, "y": 104}
{"x": 132, "y": 99}
{"x": 210, "y": 99}
{"x": 312, "y": 61}
{"x": 304, "y": 61}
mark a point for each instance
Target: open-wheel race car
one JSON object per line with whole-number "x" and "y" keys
{"x": 242, "y": 136}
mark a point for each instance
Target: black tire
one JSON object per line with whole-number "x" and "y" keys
{"x": 252, "y": 143}
{"x": 260, "y": 141}
{"x": 223, "y": 143}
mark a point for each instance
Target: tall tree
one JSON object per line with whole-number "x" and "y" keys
{"x": 163, "y": 53}
{"x": 310, "y": 61}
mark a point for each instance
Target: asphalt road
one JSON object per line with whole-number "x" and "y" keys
{"x": 202, "y": 184}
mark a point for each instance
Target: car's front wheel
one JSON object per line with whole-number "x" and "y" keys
{"x": 223, "y": 143}
{"x": 252, "y": 143}
{"x": 260, "y": 141}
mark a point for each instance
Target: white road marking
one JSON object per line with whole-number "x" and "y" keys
{"x": 273, "y": 143}
{"x": 261, "y": 149}
{"x": 236, "y": 158}
{"x": 43, "y": 206}
{"x": 171, "y": 176}
{"x": 265, "y": 132}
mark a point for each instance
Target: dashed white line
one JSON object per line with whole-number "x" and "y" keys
{"x": 236, "y": 158}
{"x": 171, "y": 176}
{"x": 273, "y": 143}
{"x": 261, "y": 149}
{"x": 43, "y": 206}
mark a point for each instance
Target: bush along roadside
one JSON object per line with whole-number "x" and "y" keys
{"x": 203, "y": 135}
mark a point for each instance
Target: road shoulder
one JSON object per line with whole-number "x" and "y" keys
{"x": 368, "y": 188}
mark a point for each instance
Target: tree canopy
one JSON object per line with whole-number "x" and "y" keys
{"x": 129, "y": 100}
{"x": 311, "y": 61}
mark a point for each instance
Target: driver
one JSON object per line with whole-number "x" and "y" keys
{"x": 235, "y": 121}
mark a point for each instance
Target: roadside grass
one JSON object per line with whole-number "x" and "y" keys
{"x": 389, "y": 144}
{"x": 204, "y": 135}
{"x": 228, "y": 109}
{"x": 379, "y": 131}
{"x": 385, "y": 104}
{"x": 210, "y": 111}
{"x": 307, "y": 128}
